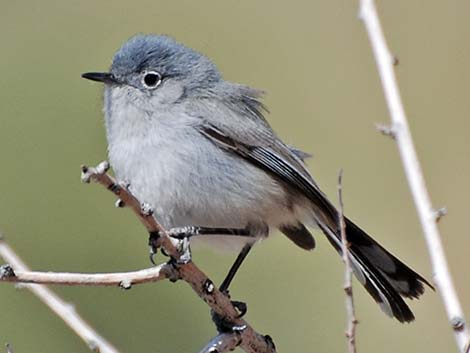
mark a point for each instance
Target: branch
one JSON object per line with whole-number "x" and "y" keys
{"x": 250, "y": 340}
{"x": 64, "y": 310}
{"x": 401, "y": 133}
{"x": 351, "y": 313}
{"x": 122, "y": 279}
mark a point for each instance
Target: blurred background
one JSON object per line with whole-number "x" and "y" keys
{"x": 314, "y": 61}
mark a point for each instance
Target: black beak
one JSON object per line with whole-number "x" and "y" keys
{"x": 104, "y": 77}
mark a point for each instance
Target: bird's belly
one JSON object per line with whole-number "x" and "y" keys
{"x": 201, "y": 185}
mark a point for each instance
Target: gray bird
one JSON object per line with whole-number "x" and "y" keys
{"x": 198, "y": 149}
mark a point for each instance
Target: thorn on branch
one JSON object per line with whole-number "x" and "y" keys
{"x": 125, "y": 184}
{"x": 208, "y": 286}
{"x": 88, "y": 172}
{"x": 386, "y": 130}
{"x": 146, "y": 209}
{"x": 86, "y": 175}
{"x": 6, "y": 271}
{"x": 439, "y": 213}
{"x": 114, "y": 188}
{"x": 457, "y": 323}
{"x": 102, "y": 168}
{"x": 93, "y": 346}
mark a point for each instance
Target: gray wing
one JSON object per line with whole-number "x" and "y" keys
{"x": 276, "y": 158}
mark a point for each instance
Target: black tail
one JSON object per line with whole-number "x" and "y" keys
{"x": 386, "y": 278}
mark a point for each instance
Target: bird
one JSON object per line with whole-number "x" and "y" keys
{"x": 199, "y": 150}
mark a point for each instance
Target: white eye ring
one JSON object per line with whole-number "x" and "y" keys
{"x": 151, "y": 79}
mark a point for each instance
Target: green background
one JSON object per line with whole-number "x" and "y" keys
{"x": 315, "y": 63}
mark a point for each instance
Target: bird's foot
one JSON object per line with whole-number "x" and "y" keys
{"x": 240, "y": 306}
{"x": 225, "y": 325}
{"x": 184, "y": 251}
{"x": 183, "y": 232}
{"x": 181, "y": 235}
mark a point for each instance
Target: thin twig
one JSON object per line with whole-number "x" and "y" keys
{"x": 402, "y": 134}
{"x": 350, "y": 310}
{"x": 125, "y": 280}
{"x": 250, "y": 340}
{"x": 62, "y": 309}
{"x": 222, "y": 343}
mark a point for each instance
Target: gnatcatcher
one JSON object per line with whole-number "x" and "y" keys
{"x": 199, "y": 151}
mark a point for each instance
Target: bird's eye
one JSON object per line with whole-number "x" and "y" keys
{"x": 151, "y": 79}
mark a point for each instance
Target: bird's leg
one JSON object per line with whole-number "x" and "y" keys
{"x": 191, "y": 231}
{"x": 236, "y": 265}
{"x": 221, "y": 324}
{"x": 184, "y": 233}
{"x": 241, "y": 306}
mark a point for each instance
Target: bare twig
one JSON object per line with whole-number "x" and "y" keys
{"x": 401, "y": 131}
{"x": 386, "y": 130}
{"x": 64, "y": 310}
{"x": 123, "y": 279}
{"x": 250, "y": 340}
{"x": 350, "y": 310}
{"x": 439, "y": 213}
{"x": 222, "y": 343}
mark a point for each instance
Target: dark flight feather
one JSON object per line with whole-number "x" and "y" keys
{"x": 299, "y": 235}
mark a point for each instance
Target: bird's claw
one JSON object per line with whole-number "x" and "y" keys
{"x": 241, "y": 307}
{"x": 224, "y": 325}
{"x": 153, "y": 245}
{"x": 152, "y": 257}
